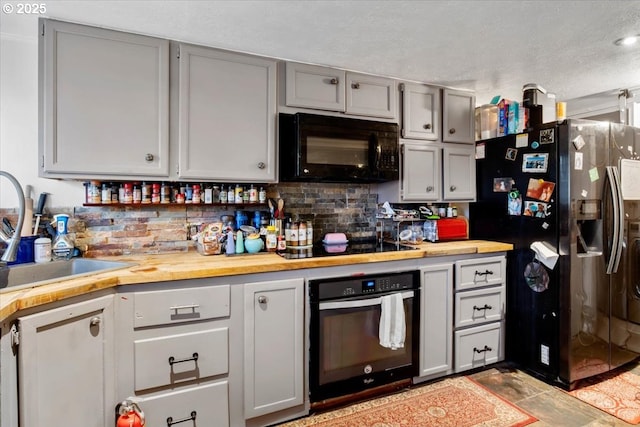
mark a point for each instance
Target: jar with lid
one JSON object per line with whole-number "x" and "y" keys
{"x": 237, "y": 196}
{"x": 215, "y": 194}
{"x": 253, "y": 194}
{"x": 155, "y": 193}
{"x": 272, "y": 239}
{"x": 309, "y": 233}
{"x": 282, "y": 244}
{"x": 294, "y": 234}
{"x": 262, "y": 195}
{"x": 146, "y": 192}
{"x": 165, "y": 193}
{"x": 188, "y": 193}
{"x": 128, "y": 193}
{"x": 196, "y": 198}
{"x": 105, "y": 197}
{"x": 302, "y": 233}
{"x": 287, "y": 233}
{"x": 114, "y": 192}
{"x": 245, "y": 196}
{"x": 231, "y": 194}
{"x": 121, "y": 193}
{"x": 137, "y": 193}
{"x": 223, "y": 194}
{"x": 94, "y": 194}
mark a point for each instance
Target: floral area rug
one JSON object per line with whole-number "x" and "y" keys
{"x": 459, "y": 402}
{"x": 617, "y": 393}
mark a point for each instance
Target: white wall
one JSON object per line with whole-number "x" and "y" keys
{"x": 19, "y": 115}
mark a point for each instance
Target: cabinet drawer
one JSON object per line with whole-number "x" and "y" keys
{"x": 208, "y": 404}
{"x": 174, "y": 359}
{"x": 180, "y": 305}
{"x": 474, "y": 273}
{"x": 478, "y": 346}
{"x": 479, "y": 306}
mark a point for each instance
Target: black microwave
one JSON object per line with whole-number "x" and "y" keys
{"x": 337, "y": 149}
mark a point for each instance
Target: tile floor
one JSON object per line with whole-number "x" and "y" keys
{"x": 552, "y": 406}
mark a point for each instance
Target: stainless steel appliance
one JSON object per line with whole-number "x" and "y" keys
{"x": 559, "y": 184}
{"x": 337, "y": 149}
{"x": 346, "y": 355}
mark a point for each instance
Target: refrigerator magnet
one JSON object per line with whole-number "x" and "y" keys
{"x": 511, "y": 154}
{"x": 535, "y": 162}
{"x": 535, "y": 209}
{"x": 547, "y": 136}
{"x": 480, "y": 151}
{"x": 522, "y": 140}
{"x": 536, "y": 276}
{"x": 540, "y": 189}
{"x": 578, "y": 142}
{"x": 514, "y": 203}
{"x": 502, "y": 185}
{"x": 578, "y": 161}
{"x": 593, "y": 174}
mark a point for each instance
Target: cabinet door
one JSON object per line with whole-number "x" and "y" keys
{"x": 457, "y": 120}
{"x": 436, "y": 320}
{"x": 421, "y": 172}
{"x": 371, "y": 96}
{"x": 227, "y": 105}
{"x": 65, "y": 363}
{"x": 274, "y": 346}
{"x": 105, "y": 103}
{"x": 459, "y": 173}
{"x": 312, "y": 86}
{"x": 420, "y": 111}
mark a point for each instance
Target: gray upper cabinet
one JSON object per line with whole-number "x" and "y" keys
{"x": 310, "y": 86}
{"x": 420, "y": 111}
{"x": 325, "y": 88}
{"x": 457, "y": 118}
{"x": 104, "y": 100}
{"x": 227, "y": 110}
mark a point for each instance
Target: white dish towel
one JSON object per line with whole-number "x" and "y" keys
{"x": 392, "y": 322}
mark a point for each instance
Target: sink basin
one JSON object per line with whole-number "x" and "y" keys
{"x": 32, "y": 274}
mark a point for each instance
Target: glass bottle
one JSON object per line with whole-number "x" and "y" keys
{"x": 262, "y": 195}
{"x": 253, "y": 194}
{"x": 231, "y": 195}
{"x": 272, "y": 239}
{"x": 223, "y": 194}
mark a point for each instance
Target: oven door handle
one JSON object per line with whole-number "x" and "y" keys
{"x": 333, "y": 305}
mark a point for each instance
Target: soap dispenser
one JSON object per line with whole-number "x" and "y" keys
{"x": 63, "y": 244}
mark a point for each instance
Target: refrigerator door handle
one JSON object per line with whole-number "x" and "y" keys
{"x": 617, "y": 204}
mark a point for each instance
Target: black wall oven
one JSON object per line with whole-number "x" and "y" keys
{"x": 337, "y": 149}
{"x": 346, "y": 355}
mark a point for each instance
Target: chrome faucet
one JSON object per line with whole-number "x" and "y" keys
{"x": 11, "y": 252}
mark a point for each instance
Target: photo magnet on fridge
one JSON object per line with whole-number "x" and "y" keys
{"x": 540, "y": 189}
{"x": 535, "y": 162}
{"x": 536, "y": 209}
{"x": 502, "y": 185}
{"x": 546, "y": 136}
{"x": 514, "y": 203}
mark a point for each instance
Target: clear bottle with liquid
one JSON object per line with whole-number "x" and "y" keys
{"x": 63, "y": 244}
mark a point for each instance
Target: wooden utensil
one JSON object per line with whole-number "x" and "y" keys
{"x": 280, "y": 212}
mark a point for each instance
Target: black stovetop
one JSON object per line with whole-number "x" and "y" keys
{"x": 355, "y": 247}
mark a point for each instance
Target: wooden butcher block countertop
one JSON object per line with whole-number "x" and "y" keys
{"x": 191, "y": 265}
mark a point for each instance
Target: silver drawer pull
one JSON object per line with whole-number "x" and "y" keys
{"x": 184, "y": 307}
{"x": 486, "y": 307}
{"x": 484, "y": 273}
{"x": 172, "y": 360}
{"x": 482, "y": 350}
{"x": 170, "y": 421}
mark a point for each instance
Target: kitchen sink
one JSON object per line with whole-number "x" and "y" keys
{"x": 28, "y": 275}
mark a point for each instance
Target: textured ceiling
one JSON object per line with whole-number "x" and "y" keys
{"x": 492, "y": 47}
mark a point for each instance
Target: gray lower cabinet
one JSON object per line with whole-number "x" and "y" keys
{"x": 174, "y": 351}
{"x": 436, "y": 321}
{"x": 479, "y": 312}
{"x": 273, "y": 346}
{"x": 66, "y": 365}
{"x": 458, "y": 173}
{"x": 104, "y": 103}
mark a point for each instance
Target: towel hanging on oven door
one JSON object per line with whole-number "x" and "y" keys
{"x": 393, "y": 329}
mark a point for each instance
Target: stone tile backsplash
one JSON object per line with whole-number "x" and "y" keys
{"x": 139, "y": 229}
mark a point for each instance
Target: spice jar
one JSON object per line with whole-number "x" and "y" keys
{"x": 165, "y": 193}
{"x": 146, "y": 192}
{"x": 294, "y": 234}
{"x": 155, "y": 193}
{"x": 302, "y": 233}
{"x": 253, "y": 194}
{"x": 105, "y": 197}
{"x": 272, "y": 239}
{"x": 128, "y": 192}
{"x": 309, "y": 233}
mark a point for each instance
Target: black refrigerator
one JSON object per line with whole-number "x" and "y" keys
{"x": 566, "y": 190}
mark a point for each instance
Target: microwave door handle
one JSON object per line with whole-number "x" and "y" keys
{"x": 617, "y": 204}
{"x": 358, "y": 303}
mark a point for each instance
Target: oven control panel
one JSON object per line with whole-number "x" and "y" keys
{"x": 341, "y": 287}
